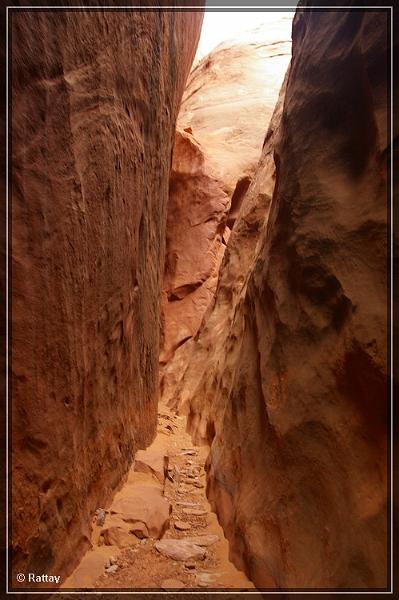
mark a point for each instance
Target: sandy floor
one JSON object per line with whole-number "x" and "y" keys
{"x": 141, "y": 566}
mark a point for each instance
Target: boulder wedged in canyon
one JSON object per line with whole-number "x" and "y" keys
{"x": 295, "y": 399}
{"x": 221, "y": 127}
{"x": 95, "y": 97}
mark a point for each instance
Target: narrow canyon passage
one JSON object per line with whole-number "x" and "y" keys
{"x": 199, "y": 359}
{"x": 163, "y": 497}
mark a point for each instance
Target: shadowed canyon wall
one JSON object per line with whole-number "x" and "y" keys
{"x": 288, "y": 374}
{"x": 226, "y": 109}
{"x": 95, "y": 96}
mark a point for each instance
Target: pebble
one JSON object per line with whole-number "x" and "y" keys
{"x": 190, "y": 565}
{"x": 112, "y": 569}
{"x": 111, "y": 561}
{"x": 100, "y": 513}
{"x": 205, "y": 579}
{"x": 172, "y": 584}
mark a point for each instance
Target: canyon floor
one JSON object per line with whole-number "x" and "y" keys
{"x": 193, "y": 552}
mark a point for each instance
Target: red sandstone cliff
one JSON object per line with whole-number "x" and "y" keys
{"x": 293, "y": 397}
{"x": 197, "y": 213}
{"x": 95, "y": 96}
{"x": 226, "y": 109}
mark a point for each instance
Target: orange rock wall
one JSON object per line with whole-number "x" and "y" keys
{"x": 226, "y": 108}
{"x": 294, "y": 401}
{"x": 95, "y": 96}
{"x": 197, "y": 213}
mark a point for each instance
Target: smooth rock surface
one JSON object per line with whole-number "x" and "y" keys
{"x": 226, "y": 109}
{"x": 230, "y": 97}
{"x": 118, "y": 536}
{"x": 150, "y": 461}
{"x": 146, "y": 505}
{"x": 95, "y": 96}
{"x": 294, "y": 398}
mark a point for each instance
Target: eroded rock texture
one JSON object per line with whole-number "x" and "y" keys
{"x": 197, "y": 213}
{"x": 95, "y": 96}
{"x": 225, "y": 112}
{"x": 294, "y": 396}
{"x": 195, "y": 390}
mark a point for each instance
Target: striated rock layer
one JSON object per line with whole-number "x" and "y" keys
{"x": 293, "y": 397}
{"x": 226, "y": 108}
{"x": 95, "y": 96}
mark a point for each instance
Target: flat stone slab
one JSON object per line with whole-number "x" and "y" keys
{"x": 202, "y": 540}
{"x": 182, "y": 525}
{"x": 180, "y": 550}
{"x": 197, "y": 512}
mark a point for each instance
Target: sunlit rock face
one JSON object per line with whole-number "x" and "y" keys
{"x": 293, "y": 396}
{"x": 229, "y": 100}
{"x": 226, "y": 109}
{"x": 95, "y": 96}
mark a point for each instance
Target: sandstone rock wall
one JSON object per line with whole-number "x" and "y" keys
{"x": 194, "y": 393}
{"x": 197, "y": 213}
{"x": 230, "y": 98}
{"x": 95, "y": 96}
{"x": 226, "y": 109}
{"x": 294, "y": 397}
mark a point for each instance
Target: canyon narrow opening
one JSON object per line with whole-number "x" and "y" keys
{"x": 199, "y": 365}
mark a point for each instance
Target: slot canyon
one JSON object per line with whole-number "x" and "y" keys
{"x": 199, "y": 357}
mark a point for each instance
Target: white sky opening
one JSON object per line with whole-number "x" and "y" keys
{"x": 219, "y": 27}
